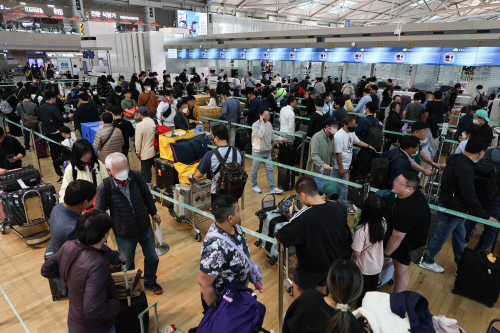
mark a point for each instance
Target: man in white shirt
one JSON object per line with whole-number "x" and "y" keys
{"x": 75, "y": 72}
{"x": 221, "y": 74}
{"x": 344, "y": 140}
{"x": 287, "y": 118}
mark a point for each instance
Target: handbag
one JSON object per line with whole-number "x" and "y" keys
{"x": 255, "y": 273}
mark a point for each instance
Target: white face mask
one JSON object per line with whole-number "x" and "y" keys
{"x": 464, "y": 136}
{"x": 122, "y": 175}
{"x": 333, "y": 131}
{"x": 33, "y": 96}
{"x": 90, "y": 94}
{"x": 148, "y": 89}
{"x": 94, "y": 92}
{"x": 429, "y": 100}
{"x": 475, "y": 122}
{"x": 185, "y": 110}
{"x": 423, "y": 142}
{"x": 51, "y": 82}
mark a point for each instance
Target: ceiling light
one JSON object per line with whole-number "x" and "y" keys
{"x": 22, "y": 3}
{"x": 50, "y": 6}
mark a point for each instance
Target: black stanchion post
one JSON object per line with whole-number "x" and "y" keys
{"x": 32, "y": 139}
{"x": 302, "y": 151}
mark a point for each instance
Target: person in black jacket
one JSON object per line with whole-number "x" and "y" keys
{"x": 52, "y": 120}
{"x": 271, "y": 100}
{"x": 317, "y": 118}
{"x": 337, "y": 87}
{"x": 116, "y": 96}
{"x": 309, "y": 102}
{"x": 85, "y": 112}
{"x": 454, "y": 94}
{"x": 11, "y": 153}
{"x": 127, "y": 196}
{"x": 177, "y": 86}
{"x": 267, "y": 89}
{"x": 225, "y": 84}
{"x": 125, "y": 126}
{"x": 20, "y": 91}
{"x": 458, "y": 192}
{"x": 8, "y": 96}
{"x": 393, "y": 124}
{"x": 191, "y": 88}
{"x": 183, "y": 78}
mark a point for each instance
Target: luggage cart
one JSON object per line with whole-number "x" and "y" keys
{"x": 36, "y": 229}
{"x": 198, "y": 195}
{"x": 433, "y": 186}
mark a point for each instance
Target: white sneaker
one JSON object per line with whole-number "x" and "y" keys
{"x": 350, "y": 211}
{"x": 276, "y": 191}
{"x": 256, "y": 189}
{"x": 431, "y": 267}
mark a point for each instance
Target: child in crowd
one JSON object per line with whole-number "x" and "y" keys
{"x": 65, "y": 153}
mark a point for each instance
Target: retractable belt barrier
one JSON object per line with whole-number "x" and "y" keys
{"x": 14, "y": 309}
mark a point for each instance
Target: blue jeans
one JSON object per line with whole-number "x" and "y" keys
{"x": 448, "y": 224}
{"x": 343, "y": 188}
{"x": 268, "y": 166}
{"x": 489, "y": 232}
{"x": 26, "y": 139}
{"x": 112, "y": 330}
{"x": 127, "y": 248}
{"x": 153, "y": 116}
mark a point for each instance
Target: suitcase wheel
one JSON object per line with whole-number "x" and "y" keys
{"x": 289, "y": 291}
{"x": 258, "y": 243}
{"x": 390, "y": 282}
{"x": 490, "y": 305}
{"x": 272, "y": 261}
{"x": 55, "y": 298}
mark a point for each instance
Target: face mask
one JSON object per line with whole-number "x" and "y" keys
{"x": 333, "y": 131}
{"x": 163, "y": 99}
{"x": 464, "y": 136}
{"x": 475, "y": 122}
{"x": 122, "y": 175}
{"x": 423, "y": 142}
{"x": 148, "y": 89}
{"x": 429, "y": 100}
{"x": 351, "y": 128}
{"x": 51, "y": 82}
{"x": 414, "y": 154}
{"x": 33, "y": 96}
{"x": 90, "y": 94}
{"x": 94, "y": 92}
{"x": 184, "y": 110}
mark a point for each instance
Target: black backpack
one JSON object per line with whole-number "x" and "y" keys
{"x": 487, "y": 178}
{"x": 374, "y": 137}
{"x": 232, "y": 175}
{"x": 287, "y": 154}
{"x": 363, "y": 161}
{"x": 380, "y": 170}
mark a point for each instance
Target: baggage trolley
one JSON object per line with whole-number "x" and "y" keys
{"x": 141, "y": 315}
{"x": 199, "y": 196}
{"x": 433, "y": 186}
{"x": 36, "y": 229}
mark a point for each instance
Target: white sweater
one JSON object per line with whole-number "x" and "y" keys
{"x": 162, "y": 107}
{"x": 263, "y": 136}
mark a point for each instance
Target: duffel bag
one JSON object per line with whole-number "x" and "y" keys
{"x": 183, "y": 170}
{"x": 189, "y": 151}
{"x": 165, "y": 140}
{"x": 28, "y": 175}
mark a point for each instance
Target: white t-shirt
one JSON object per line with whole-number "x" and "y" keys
{"x": 287, "y": 119}
{"x": 76, "y": 71}
{"x": 343, "y": 143}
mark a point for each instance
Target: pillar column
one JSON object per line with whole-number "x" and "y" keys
{"x": 76, "y": 8}
{"x": 149, "y": 17}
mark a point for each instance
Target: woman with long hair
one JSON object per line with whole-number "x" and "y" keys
{"x": 103, "y": 87}
{"x": 367, "y": 246}
{"x": 214, "y": 99}
{"x": 84, "y": 164}
{"x": 314, "y": 312}
{"x": 135, "y": 87}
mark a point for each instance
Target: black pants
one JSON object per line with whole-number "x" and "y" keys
{"x": 13, "y": 129}
{"x": 58, "y": 163}
{"x": 370, "y": 283}
{"x": 146, "y": 166}
{"x": 204, "y": 304}
{"x": 54, "y": 148}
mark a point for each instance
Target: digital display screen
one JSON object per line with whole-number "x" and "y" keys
{"x": 91, "y": 54}
{"x": 85, "y": 54}
{"x": 453, "y": 56}
{"x": 39, "y": 62}
{"x": 196, "y": 23}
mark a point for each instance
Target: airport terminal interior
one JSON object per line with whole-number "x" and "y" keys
{"x": 325, "y": 93}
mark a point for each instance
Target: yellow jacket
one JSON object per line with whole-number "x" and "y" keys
{"x": 196, "y": 113}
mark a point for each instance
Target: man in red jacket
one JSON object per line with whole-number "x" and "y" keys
{"x": 93, "y": 299}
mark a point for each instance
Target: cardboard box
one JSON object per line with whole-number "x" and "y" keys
{"x": 209, "y": 112}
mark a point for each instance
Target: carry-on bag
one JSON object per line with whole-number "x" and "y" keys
{"x": 286, "y": 179}
{"x": 12, "y": 180}
{"x": 166, "y": 175}
{"x": 127, "y": 320}
{"x": 356, "y": 194}
{"x": 56, "y": 293}
{"x": 190, "y": 150}
{"x": 478, "y": 277}
{"x": 40, "y": 147}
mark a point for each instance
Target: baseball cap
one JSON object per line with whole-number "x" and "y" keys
{"x": 143, "y": 110}
{"x": 331, "y": 190}
{"x": 330, "y": 121}
{"x": 482, "y": 114}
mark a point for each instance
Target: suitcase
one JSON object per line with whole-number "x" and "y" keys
{"x": 270, "y": 222}
{"x": 202, "y": 197}
{"x": 478, "y": 278}
{"x": 386, "y": 274}
{"x": 448, "y": 146}
{"x": 40, "y": 147}
{"x": 28, "y": 175}
{"x": 286, "y": 179}
{"x": 127, "y": 320}
{"x": 165, "y": 192}
{"x": 455, "y": 112}
{"x": 14, "y": 207}
{"x": 166, "y": 175}
{"x": 56, "y": 293}
{"x": 356, "y": 194}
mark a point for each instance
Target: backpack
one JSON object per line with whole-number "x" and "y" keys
{"x": 289, "y": 206}
{"x": 93, "y": 172}
{"x": 287, "y": 154}
{"x": 487, "y": 178}
{"x": 363, "y": 161}
{"x": 374, "y": 137}
{"x": 237, "y": 310}
{"x": 482, "y": 101}
{"x": 177, "y": 89}
{"x": 5, "y": 107}
{"x": 360, "y": 87}
{"x": 303, "y": 84}
{"x": 448, "y": 97}
{"x": 232, "y": 175}
{"x": 160, "y": 129}
{"x": 380, "y": 170}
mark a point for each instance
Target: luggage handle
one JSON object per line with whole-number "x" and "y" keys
{"x": 141, "y": 315}
{"x": 127, "y": 286}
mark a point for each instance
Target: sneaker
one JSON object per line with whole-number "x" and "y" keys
{"x": 431, "y": 267}
{"x": 155, "y": 288}
{"x": 256, "y": 189}
{"x": 27, "y": 150}
{"x": 276, "y": 191}
{"x": 60, "y": 180}
{"x": 350, "y": 211}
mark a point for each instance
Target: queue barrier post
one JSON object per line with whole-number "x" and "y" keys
{"x": 302, "y": 149}
{"x": 32, "y": 139}
{"x": 280, "y": 286}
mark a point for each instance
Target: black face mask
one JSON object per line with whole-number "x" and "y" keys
{"x": 351, "y": 128}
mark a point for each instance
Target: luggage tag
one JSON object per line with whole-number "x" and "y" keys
{"x": 491, "y": 258}
{"x": 21, "y": 183}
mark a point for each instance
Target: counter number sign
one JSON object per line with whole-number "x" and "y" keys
{"x": 82, "y": 33}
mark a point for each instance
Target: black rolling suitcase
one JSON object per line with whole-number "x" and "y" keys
{"x": 165, "y": 192}
{"x": 286, "y": 179}
{"x": 478, "y": 277}
{"x": 56, "y": 293}
{"x": 28, "y": 175}
{"x": 166, "y": 175}
{"x": 127, "y": 320}
{"x": 356, "y": 194}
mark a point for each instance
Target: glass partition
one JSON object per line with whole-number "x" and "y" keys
{"x": 300, "y": 69}
{"x": 356, "y": 71}
{"x": 316, "y": 69}
{"x": 447, "y": 77}
{"x": 488, "y": 77}
{"x": 257, "y": 69}
{"x": 399, "y": 73}
{"x": 283, "y": 68}
{"x": 426, "y": 77}
{"x": 334, "y": 70}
